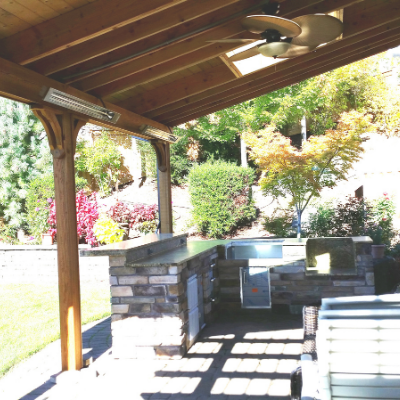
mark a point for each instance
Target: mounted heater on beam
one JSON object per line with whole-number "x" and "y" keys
{"x": 158, "y": 134}
{"x": 73, "y": 103}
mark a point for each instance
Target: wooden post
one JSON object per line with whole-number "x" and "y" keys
{"x": 62, "y": 129}
{"x": 164, "y": 184}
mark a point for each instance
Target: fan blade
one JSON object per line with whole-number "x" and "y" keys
{"x": 233, "y": 41}
{"x": 253, "y": 51}
{"x": 317, "y": 29}
{"x": 259, "y": 23}
{"x": 295, "y": 51}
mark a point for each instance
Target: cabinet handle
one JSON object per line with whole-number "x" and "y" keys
{"x": 212, "y": 265}
{"x": 213, "y": 279}
{"x": 244, "y": 276}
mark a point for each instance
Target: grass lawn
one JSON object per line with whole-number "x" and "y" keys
{"x": 29, "y": 318}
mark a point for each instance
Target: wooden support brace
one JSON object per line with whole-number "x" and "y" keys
{"x": 62, "y": 129}
{"x": 164, "y": 184}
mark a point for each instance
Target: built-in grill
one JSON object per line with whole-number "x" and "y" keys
{"x": 255, "y": 286}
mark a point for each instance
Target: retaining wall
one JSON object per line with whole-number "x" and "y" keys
{"x": 38, "y": 264}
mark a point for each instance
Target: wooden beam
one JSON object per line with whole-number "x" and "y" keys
{"x": 241, "y": 97}
{"x": 289, "y": 8}
{"x": 164, "y": 69}
{"x": 138, "y": 30}
{"x": 77, "y": 26}
{"x": 259, "y": 77}
{"x": 369, "y": 13}
{"x": 159, "y": 41}
{"x": 231, "y": 66}
{"x": 67, "y": 127}
{"x": 22, "y": 84}
{"x": 164, "y": 185}
{"x": 177, "y": 90}
{"x": 156, "y": 58}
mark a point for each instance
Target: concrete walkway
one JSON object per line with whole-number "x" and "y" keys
{"x": 241, "y": 356}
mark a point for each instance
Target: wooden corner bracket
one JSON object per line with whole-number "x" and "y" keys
{"x": 52, "y": 121}
{"x": 161, "y": 149}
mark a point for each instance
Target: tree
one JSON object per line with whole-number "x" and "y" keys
{"x": 20, "y": 158}
{"x": 323, "y": 161}
{"x": 102, "y": 160}
{"x": 358, "y": 86}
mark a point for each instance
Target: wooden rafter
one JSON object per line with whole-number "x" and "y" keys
{"x": 117, "y": 85}
{"x": 180, "y": 14}
{"x": 290, "y": 9}
{"x": 281, "y": 68}
{"x": 231, "y": 97}
{"x": 176, "y": 90}
{"x": 159, "y": 40}
{"x": 158, "y": 57}
{"x": 230, "y": 65}
{"x": 211, "y": 107}
{"x": 171, "y": 66}
{"x": 109, "y": 75}
{"x": 76, "y": 27}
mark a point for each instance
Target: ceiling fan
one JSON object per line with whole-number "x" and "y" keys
{"x": 285, "y": 38}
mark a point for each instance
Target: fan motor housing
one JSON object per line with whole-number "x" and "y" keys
{"x": 271, "y": 35}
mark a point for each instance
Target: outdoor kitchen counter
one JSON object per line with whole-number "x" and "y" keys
{"x": 164, "y": 289}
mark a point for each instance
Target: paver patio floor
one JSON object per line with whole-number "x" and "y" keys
{"x": 240, "y": 356}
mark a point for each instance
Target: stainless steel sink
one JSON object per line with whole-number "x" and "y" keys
{"x": 243, "y": 250}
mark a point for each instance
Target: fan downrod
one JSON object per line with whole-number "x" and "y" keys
{"x": 271, "y": 8}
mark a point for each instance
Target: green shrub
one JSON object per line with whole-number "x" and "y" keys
{"x": 148, "y": 159}
{"x": 355, "y": 217}
{"x": 108, "y": 231}
{"x": 350, "y": 218}
{"x": 180, "y": 162}
{"x": 280, "y": 223}
{"x": 346, "y": 219}
{"x": 180, "y": 169}
{"x": 221, "y": 197}
{"x": 320, "y": 223}
{"x": 383, "y": 211}
{"x": 39, "y": 196}
{"x": 102, "y": 160}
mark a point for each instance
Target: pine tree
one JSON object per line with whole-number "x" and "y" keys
{"x": 20, "y": 158}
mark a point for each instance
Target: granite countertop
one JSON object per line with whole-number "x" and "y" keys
{"x": 178, "y": 255}
{"x": 121, "y": 248}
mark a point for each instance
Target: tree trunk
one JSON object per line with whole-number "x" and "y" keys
{"x": 303, "y": 130}
{"x": 299, "y": 212}
{"x": 243, "y": 153}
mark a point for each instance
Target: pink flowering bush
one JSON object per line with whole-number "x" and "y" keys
{"x": 87, "y": 213}
{"x": 142, "y": 213}
{"x": 142, "y": 218}
{"x": 120, "y": 213}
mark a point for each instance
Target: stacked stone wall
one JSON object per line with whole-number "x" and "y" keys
{"x": 150, "y": 308}
{"x": 37, "y": 266}
{"x": 292, "y": 286}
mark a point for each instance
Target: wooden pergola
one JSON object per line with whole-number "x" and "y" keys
{"x": 151, "y": 62}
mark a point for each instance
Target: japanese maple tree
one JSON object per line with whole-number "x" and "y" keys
{"x": 323, "y": 161}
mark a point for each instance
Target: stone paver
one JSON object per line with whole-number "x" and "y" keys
{"x": 247, "y": 357}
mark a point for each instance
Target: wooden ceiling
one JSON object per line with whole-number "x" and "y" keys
{"x": 151, "y": 60}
